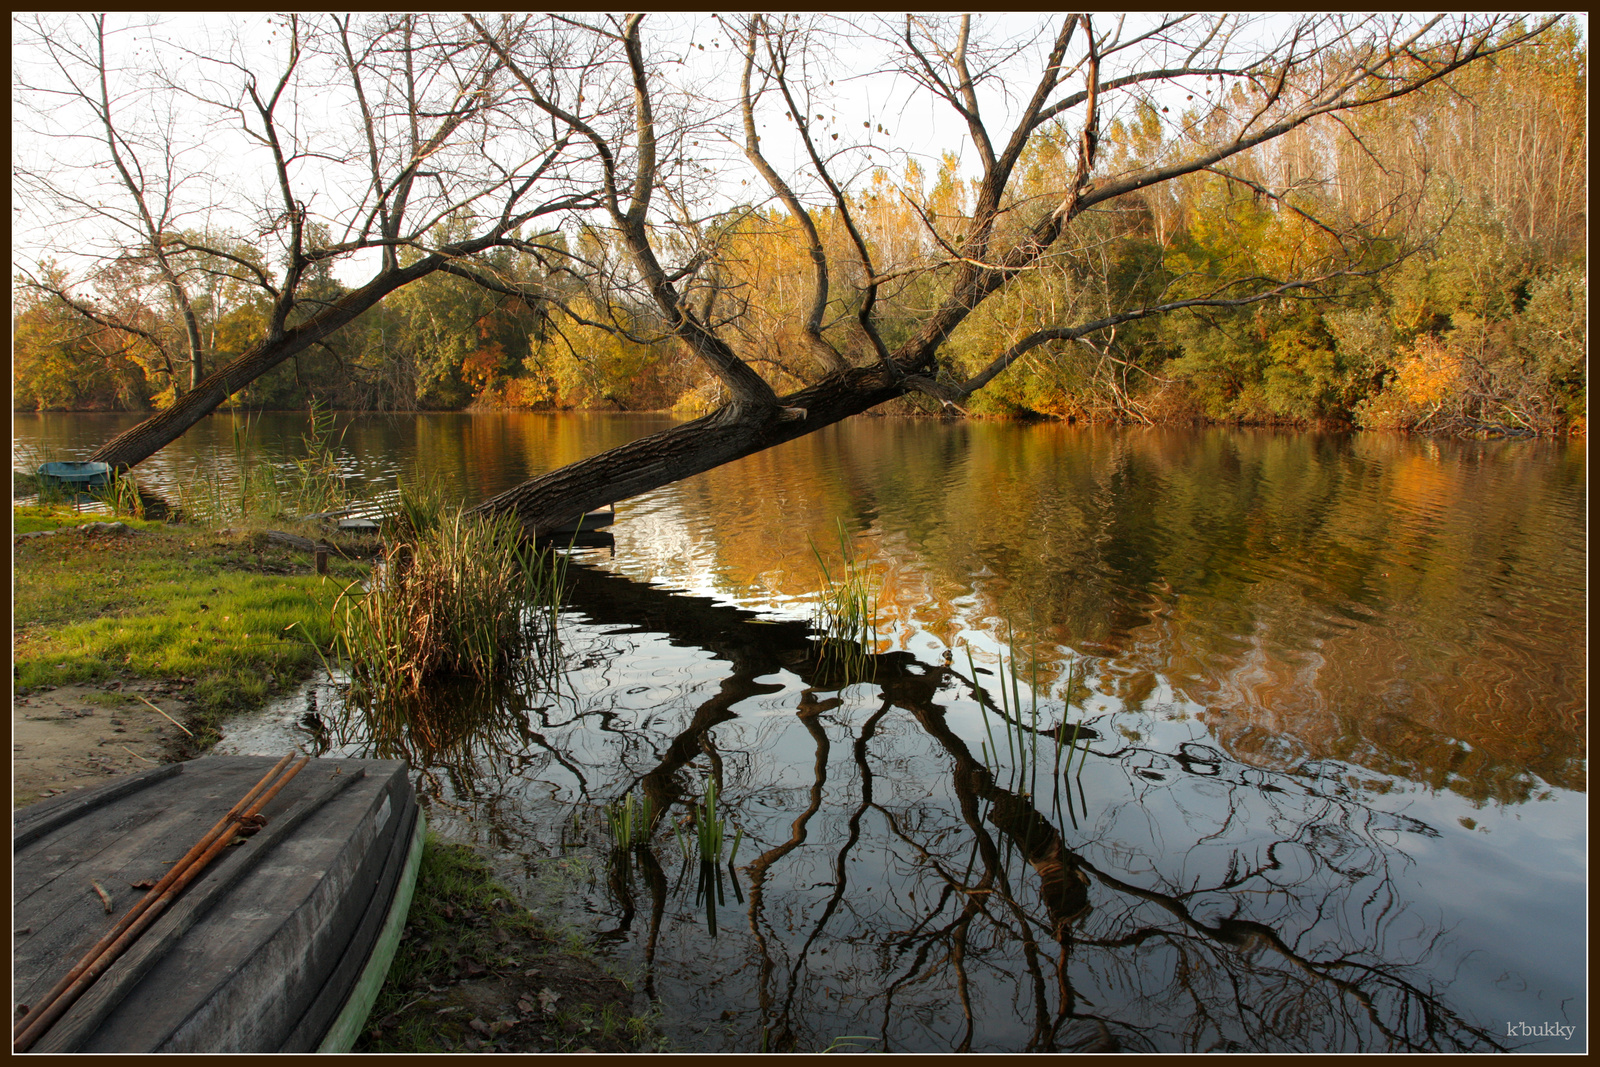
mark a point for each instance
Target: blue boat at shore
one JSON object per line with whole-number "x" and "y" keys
{"x": 75, "y": 475}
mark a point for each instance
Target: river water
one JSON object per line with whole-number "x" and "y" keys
{"x": 1305, "y": 770}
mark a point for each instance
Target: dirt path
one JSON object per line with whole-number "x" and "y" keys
{"x": 72, "y": 736}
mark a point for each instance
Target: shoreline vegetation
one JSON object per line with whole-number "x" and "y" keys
{"x": 1576, "y": 426}
{"x": 135, "y": 639}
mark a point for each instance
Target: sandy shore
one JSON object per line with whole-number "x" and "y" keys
{"x": 72, "y": 736}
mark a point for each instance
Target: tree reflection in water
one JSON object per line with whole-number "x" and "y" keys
{"x": 1174, "y": 898}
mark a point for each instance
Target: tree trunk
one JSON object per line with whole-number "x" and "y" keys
{"x": 135, "y": 445}
{"x": 545, "y": 503}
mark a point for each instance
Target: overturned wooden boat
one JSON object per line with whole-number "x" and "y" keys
{"x": 278, "y": 945}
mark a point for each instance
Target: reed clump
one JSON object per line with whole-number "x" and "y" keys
{"x": 710, "y": 831}
{"x": 121, "y": 497}
{"x": 319, "y": 481}
{"x": 631, "y": 820}
{"x": 265, "y": 488}
{"x": 465, "y": 596}
{"x": 418, "y": 507}
{"x": 709, "y": 828}
{"x": 1021, "y": 727}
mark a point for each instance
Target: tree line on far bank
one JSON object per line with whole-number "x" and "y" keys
{"x": 1478, "y": 327}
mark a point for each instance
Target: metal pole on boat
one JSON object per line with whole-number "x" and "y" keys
{"x": 43, "y": 1015}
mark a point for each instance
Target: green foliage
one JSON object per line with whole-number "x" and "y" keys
{"x": 462, "y": 922}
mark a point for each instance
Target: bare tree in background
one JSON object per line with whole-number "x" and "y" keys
{"x": 364, "y": 136}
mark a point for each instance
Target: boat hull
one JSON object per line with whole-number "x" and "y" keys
{"x": 84, "y": 475}
{"x": 269, "y": 950}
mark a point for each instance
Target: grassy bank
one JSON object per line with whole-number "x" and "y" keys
{"x": 476, "y": 971}
{"x": 230, "y": 618}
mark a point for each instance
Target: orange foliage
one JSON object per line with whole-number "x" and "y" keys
{"x": 481, "y": 367}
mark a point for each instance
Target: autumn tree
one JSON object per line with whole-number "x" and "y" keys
{"x": 383, "y": 128}
{"x": 967, "y": 250}
{"x": 59, "y": 359}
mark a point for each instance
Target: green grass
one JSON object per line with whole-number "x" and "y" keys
{"x": 461, "y": 914}
{"x": 238, "y": 618}
{"x": 108, "y": 700}
{"x": 454, "y": 889}
{"x": 62, "y": 516}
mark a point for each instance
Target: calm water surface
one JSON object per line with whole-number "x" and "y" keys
{"x": 1331, "y": 688}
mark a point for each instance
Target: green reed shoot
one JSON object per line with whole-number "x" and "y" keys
{"x": 710, "y": 829}
{"x": 1021, "y": 728}
{"x": 122, "y": 496}
{"x": 1074, "y": 675}
{"x": 845, "y": 1043}
{"x": 709, "y": 826}
{"x": 419, "y": 506}
{"x": 631, "y": 821}
{"x": 319, "y": 485}
{"x": 847, "y": 614}
{"x": 982, "y": 706}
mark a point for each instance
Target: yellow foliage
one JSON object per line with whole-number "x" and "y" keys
{"x": 526, "y": 393}
{"x": 700, "y": 400}
{"x": 1428, "y": 372}
{"x": 1427, "y": 378}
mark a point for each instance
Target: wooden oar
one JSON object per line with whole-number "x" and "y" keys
{"x": 53, "y": 1005}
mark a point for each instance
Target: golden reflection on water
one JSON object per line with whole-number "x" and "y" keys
{"x": 1414, "y": 608}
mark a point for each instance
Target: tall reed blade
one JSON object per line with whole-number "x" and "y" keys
{"x": 983, "y": 708}
{"x": 847, "y": 613}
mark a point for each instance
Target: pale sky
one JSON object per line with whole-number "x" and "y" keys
{"x": 224, "y": 165}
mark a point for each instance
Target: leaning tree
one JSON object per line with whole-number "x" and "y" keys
{"x": 1260, "y": 88}
{"x": 378, "y": 141}
{"x": 518, "y": 120}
